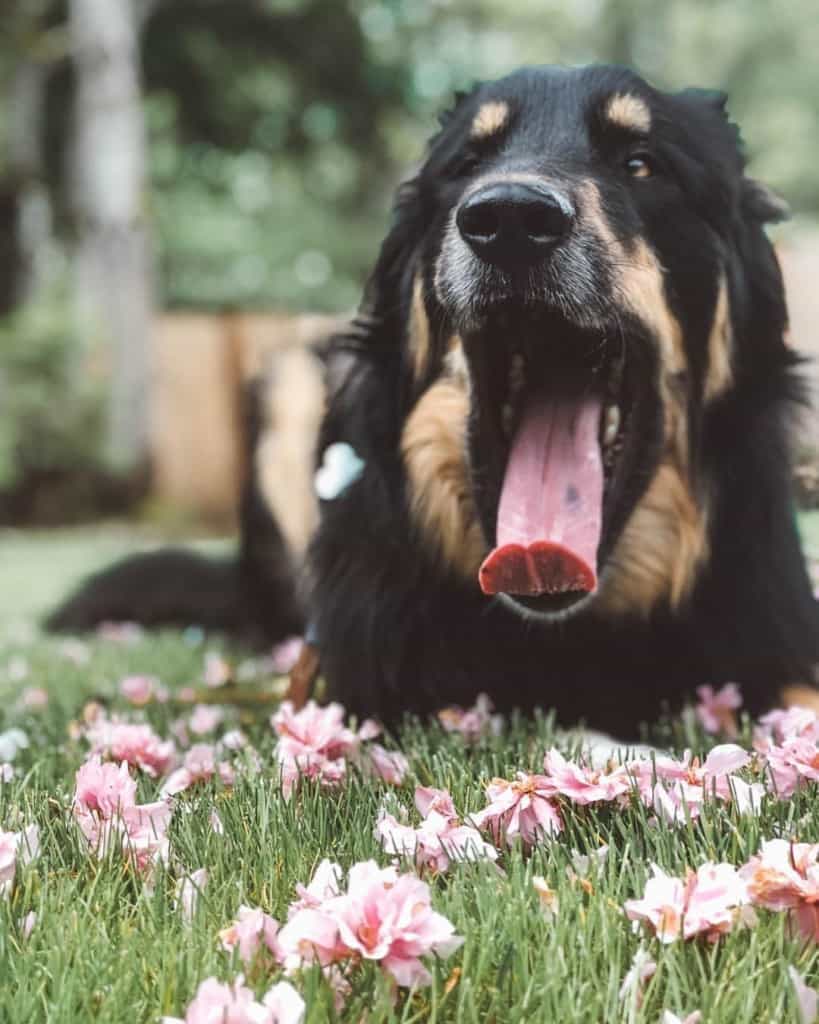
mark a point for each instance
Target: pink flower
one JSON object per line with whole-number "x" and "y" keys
{"x": 427, "y": 799}
{"x": 217, "y": 670}
{"x": 706, "y": 903}
{"x": 474, "y": 723}
{"x": 671, "y": 1018}
{"x": 662, "y": 905}
{"x": 642, "y": 970}
{"x": 806, "y": 997}
{"x": 388, "y": 917}
{"x": 138, "y": 690}
{"x": 389, "y": 765}
{"x": 783, "y": 724}
{"x": 6, "y": 771}
{"x": 16, "y": 848}
{"x": 325, "y": 884}
{"x": 105, "y": 809}
{"x": 785, "y": 876}
{"x": 382, "y": 916}
{"x": 521, "y": 809}
{"x": 34, "y": 698}
{"x": 126, "y": 633}
{"x": 285, "y": 655}
{"x": 676, "y": 789}
{"x": 315, "y": 743}
{"x": 584, "y": 785}
{"x": 218, "y": 1003}
{"x": 435, "y": 843}
{"x": 28, "y": 924}
{"x": 104, "y": 789}
{"x": 717, "y": 709}
{"x": 252, "y": 930}
{"x": 199, "y": 765}
{"x": 205, "y": 718}
{"x": 139, "y": 745}
{"x": 188, "y": 890}
{"x": 313, "y": 731}
{"x": 792, "y": 763}
{"x": 284, "y": 1004}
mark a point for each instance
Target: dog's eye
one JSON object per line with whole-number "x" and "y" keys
{"x": 464, "y": 164}
{"x": 639, "y": 165}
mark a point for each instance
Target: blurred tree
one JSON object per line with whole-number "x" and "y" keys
{"x": 109, "y": 187}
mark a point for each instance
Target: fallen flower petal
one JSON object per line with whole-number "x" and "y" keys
{"x": 389, "y": 765}
{"x": 807, "y": 998}
{"x": 549, "y": 903}
{"x": 188, "y": 891}
{"x": 286, "y": 1006}
{"x": 521, "y": 809}
{"x": 717, "y": 708}
{"x": 643, "y": 968}
{"x": 16, "y": 848}
{"x": 252, "y": 930}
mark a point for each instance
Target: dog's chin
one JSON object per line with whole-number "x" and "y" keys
{"x": 533, "y": 369}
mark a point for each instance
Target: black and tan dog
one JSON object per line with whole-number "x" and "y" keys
{"x": 570, "y": 389}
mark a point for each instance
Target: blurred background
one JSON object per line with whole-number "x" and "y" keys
{"x": 188, "y": 187}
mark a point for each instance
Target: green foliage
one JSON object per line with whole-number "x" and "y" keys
{"x": 50, "y": 403}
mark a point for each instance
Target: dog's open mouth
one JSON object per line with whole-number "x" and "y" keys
{"x": 551, "y": 421}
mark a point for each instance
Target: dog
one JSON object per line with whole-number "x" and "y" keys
{"x": 559, "y": 427}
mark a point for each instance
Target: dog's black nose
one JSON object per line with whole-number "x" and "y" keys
{"x": 512, "y": 223}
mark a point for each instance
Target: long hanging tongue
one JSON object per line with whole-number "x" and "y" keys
{"x": 550, "y": 511}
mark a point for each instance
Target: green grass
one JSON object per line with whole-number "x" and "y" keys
{"x": 103, "y": 949}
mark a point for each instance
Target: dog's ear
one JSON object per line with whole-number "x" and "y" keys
{"x": 762, "y": 204}
{"x": 389, "y": 286}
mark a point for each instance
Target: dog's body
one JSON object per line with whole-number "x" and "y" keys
{"x": 570, "y": 389}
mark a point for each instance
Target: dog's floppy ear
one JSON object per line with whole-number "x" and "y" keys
{"x": 762, "y": 204}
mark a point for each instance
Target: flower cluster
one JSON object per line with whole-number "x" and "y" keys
{"x": 473, "y": 723}
{"x": 216, "y": 1002}
{"x": 382, "y": 916}
{"x": 440, "y": 839}
{"x": 109, "y": 817}
{"x": 314, "y": 743}
{"x": 708, "y": 903}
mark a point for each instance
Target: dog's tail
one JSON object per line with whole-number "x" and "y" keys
{"x": 170, "y": 586}
{"x": 252, "y": 594}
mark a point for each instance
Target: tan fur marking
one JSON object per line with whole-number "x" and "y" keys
{"x": 284, "y": 456}
{"x": 719, "y": 374}
{"x": 433, "y": 445}
{"x": 660, "y": 550}
{"x": 802, "y": 696}
{"x": 419, "y": 330}
{"x": 490, "y": 119}
{"x": 629, "y": 112}
{"x": 665, "y": 541}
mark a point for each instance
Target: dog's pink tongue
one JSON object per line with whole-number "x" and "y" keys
{"x": 551, "y": 503}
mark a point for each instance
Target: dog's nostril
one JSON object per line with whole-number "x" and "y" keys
{"x": 544, "y": 222}
{"x": 514, "y": 223}
{"x": 478, "y": 221}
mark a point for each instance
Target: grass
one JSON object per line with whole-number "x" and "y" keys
{"x": 104, "y": 949}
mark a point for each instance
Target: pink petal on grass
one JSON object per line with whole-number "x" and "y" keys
{"x": 807, "y": 998}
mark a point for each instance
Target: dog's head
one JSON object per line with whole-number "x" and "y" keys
{"x": 582, "y": 275}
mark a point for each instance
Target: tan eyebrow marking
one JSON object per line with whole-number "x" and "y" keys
{"x": 629, "y": 112}
{"x": 490, "y": 119}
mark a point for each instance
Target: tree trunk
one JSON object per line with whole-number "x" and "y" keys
{"x": 113, "y": 260}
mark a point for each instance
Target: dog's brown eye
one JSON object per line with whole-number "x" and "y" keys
{"x": 639, "y": 166}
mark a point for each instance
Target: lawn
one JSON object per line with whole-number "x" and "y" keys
{"x": 109, "y": 942}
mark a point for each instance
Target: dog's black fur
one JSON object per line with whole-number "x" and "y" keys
{"x": 660, "y": 201}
